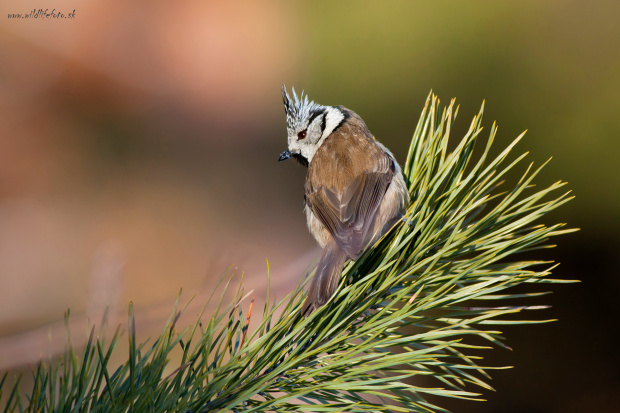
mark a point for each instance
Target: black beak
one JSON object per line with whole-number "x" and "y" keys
{"x": 284, "y": 156}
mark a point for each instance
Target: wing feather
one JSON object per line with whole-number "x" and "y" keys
{"x": 348, "y": 215}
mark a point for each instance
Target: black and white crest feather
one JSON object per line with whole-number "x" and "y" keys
{"x": 300, "y": 110}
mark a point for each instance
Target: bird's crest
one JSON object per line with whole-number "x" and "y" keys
{"x": 299, "y": 109}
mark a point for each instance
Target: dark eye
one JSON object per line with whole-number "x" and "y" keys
{"x": 301, "y": 134}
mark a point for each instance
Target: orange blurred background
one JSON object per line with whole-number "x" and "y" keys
{"x": 138, "y": 147}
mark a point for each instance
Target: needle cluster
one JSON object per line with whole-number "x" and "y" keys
{"x": 409, "y": 320}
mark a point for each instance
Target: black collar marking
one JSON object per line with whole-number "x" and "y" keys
{"x": 301, "y": 159}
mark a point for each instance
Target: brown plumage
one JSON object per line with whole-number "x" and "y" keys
{"x": 347, "y": 180}
{"x": 354, "y": 188}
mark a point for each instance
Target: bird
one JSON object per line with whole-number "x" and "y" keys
{"x": 354, "y": 190}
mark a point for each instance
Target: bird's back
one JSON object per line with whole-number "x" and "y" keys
{"x": 346, "y": 154}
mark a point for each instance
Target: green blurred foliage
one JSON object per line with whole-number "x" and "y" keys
{"x": 550, "y": 67}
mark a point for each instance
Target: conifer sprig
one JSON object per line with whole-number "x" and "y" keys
{"x": 409, "y": 320}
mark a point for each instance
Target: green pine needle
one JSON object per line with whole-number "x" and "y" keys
{"x": 408, "y": 320}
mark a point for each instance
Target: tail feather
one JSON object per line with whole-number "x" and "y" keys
{"x": 326, "y": 278}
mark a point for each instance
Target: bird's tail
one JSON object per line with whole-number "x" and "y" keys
{"x": 326, "y": 278}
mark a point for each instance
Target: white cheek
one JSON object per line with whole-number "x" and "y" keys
{"x": 333, "y": 118}
{"x": 293, "y": 144}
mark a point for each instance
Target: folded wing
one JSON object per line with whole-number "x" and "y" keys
{"x": 349, "y": 214}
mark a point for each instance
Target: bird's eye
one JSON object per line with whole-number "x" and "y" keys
{"x": 301, "y": 134}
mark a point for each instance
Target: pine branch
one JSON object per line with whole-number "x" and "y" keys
{"x": 412, "y": 309}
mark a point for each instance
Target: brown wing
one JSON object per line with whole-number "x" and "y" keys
{"x": 348, "y": 214}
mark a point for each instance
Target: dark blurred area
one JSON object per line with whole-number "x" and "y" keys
{"x": 138, "y": 147}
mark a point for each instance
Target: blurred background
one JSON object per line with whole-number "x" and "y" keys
{"x": 138, "y": 147}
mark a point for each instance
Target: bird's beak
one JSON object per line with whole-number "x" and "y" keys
{"x": 285, "y": 155}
